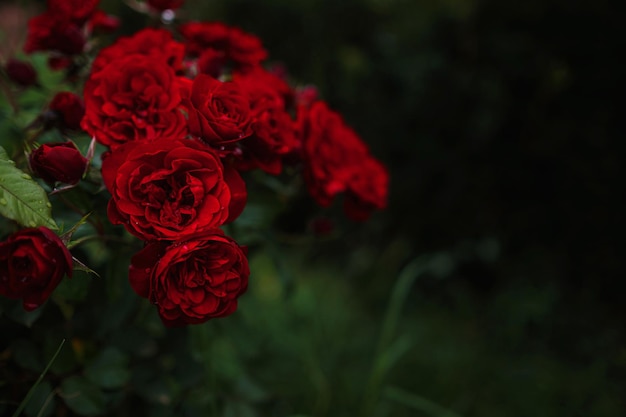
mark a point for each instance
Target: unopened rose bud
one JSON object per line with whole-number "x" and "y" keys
{"x": 61, "y": 162}
{"x": 21, "y": 73}
{"x": 69, "y": 108}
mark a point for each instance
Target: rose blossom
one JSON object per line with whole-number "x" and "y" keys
{"x": 223, "y": 44}
{"x": 192, "y": 280}
{"x": 133, "y": 98}
{"x": 218, "y": 112}
{"x": 32, "y": 263}
{"x": 274, "y": 133}
{"x": 61, "y": 161}
{"x": 54, "y": 32}
{"x": 170, "y": 189}
{"x": 337, "y": 161}
{"x": 157, "y": 44}
{"x": 367, "y": 190}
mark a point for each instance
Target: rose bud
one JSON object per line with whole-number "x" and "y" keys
{"x": 61, "y": 162}
{"x": 69, "y": 108}
{"x": 32, "y": 263}
{"x": 21, "y": 73}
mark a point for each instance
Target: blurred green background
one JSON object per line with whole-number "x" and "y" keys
{"x": 493, "y": 284}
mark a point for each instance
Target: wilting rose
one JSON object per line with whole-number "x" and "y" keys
{"x": 192, "y": 280}
{"x": 218, "y": 112}
{"x": 133, "y": 98}
{"x": 61, "y": 162}
{"x": 69, "y": 109}
{"x": 32, "y": 263}
{"x": 171, "y": 189}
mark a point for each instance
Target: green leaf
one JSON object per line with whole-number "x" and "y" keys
{"x": 41, "y": 403}
{"x": 82, "y": 396}
{"x": 33, "y": 389}
{"x": 21, "y": 198}
{"x": 109, "y": 369}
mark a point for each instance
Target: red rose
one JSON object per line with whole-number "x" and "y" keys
{"x": 78, "y": 11}
{"x": 242, "y": 49}
{"x": 337, "y": 161}
{"x": 157, "y": 44}
{"x": 332, "y": 152}
{"x": 367, "y": 190}
{"x": 219, "y": 112}
{"x": 161, "y": 5}
{"x": 21, "y": 73}
{"x": 170, "y": 189}
{"x": 193, "y": 280}
{"x": 245, "y": 49}
{"x": 201, "y": 36}
{"x": 54, "y": 32}
{"x": 133, "y": 98}
{"x": 32, "y": 263}
{"x": 61, "y": 162}
{"x": 273, "y": 128}
{"x": 102, "y": 22}
{"x": 69, "y": 108}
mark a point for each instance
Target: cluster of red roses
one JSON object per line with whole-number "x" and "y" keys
{"x": 183, "y": 112}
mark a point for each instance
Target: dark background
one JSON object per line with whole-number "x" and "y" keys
{"x": 502, "y": 125}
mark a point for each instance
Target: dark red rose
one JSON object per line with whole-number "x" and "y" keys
{"x": 21, "y": 73}
{"x": 332, "y": 152}
{"x": 218, "y": 112}
{"x": 273, "y": 128}
{"x": 32, "y": 263}
{"x": 161, "y": 5}
{"x": 69, "y": 108}
{"x": 78, "y": 11}
{"x": 193, "y": 280}
{"x": 245, "y": 49}
{"x": 211, "y": 62}
{"x": 200, "y": 36}
{"x": 171, "y": 189}
{"x": 61, "y": 162}
{"x": 134, "y": 98}
{"x": 367, "y": 190}
{"x": 54, "y": 32}
{"x": 337, "y": 161}
{"x": 102, "y": 22}
{"x": 157, "y": 44}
